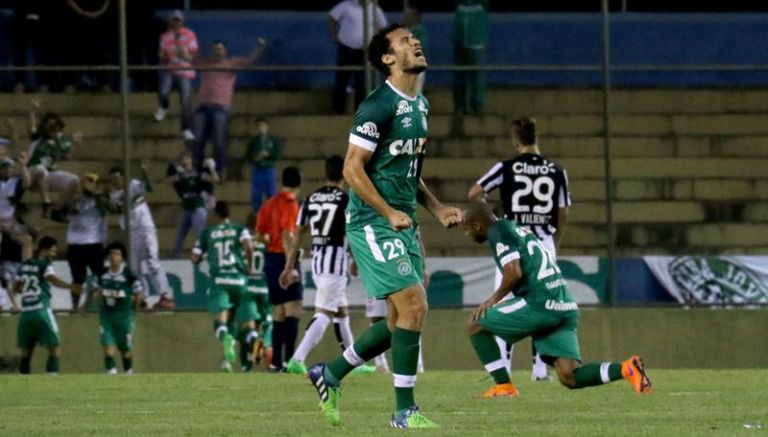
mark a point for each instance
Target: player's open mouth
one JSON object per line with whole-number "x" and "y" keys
{"x": 419, "y": 53}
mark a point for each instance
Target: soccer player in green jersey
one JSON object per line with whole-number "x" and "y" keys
{"x": 119, "y": 291}
{"x": 387, "y": 144}
{"x": 254, "y": 311}
{"x": 542, "y": 309}
{"x": 37, "y": 325}
{"x": 227, "y": 247}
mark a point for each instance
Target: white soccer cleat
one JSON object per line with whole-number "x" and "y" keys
{"x": 187, "y": 135}
{"x": 160, "y": 114}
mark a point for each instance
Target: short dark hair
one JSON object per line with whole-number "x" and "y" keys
{"x": 380, "y": 45}
{"x": 118, "y": 245}
{"x": 524, "y": 130}
{"x": 262, "y": 120}
{"x": 51, "y": 116}
{"x": 46, "y": 242}
{"x": 116, "y": 169}
{"x": 334, "y": 168}
{"x": 222, "y": 209}
{"x": 291, "y": 177}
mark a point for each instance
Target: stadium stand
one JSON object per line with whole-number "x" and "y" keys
{"x": 688, "y": 165}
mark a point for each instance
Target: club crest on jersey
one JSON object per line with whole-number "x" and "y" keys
{"x": 406, "y": 121}
{"x": 404, "y": 268}
{"x": 403, "y": 107}
{"x": 368, "y": 129}
{"x": 411, "y": 146}
{"x": 501, "y": 248}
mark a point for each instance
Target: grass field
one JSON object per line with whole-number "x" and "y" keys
{"x": 685, "y": 403}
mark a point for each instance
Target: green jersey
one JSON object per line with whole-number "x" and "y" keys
{"x": 48, "y": 151}
{"x": 542, "y": 280}
{"x": 117, "y": 290}
{"x": 190, "y": 186}
{"x": 35, "y": 288}
{"x": 393, "y": 126}
{"x": 267, "y": 145}
{"x": 258, "y": 280}
{"x": 223, "y": 246}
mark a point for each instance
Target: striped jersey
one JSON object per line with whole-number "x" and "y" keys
{"x": 532, "y": 189}
{"x": 323, "y": 212}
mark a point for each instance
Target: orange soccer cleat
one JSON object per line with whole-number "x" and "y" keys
{"x": 633, "y": 370}
{"x": 501, "y": 390}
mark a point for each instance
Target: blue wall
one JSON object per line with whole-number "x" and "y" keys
{"x": 565, "y": 38}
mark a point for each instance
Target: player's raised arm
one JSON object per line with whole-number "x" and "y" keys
{"x": 357, "y": 178}
{"x": 447, "y": 215}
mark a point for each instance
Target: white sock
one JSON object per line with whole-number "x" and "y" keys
{"x": 345, "y": 330}
{"x": 506, "y": 358}
{"x": 381, "y": 363}
{"x": 312, "y": 336}
{"x": 159, "y": 280}
{"x": 539, "y": 367}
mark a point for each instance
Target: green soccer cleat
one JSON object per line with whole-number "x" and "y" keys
{"x": 365, "y": 369}
{"x": 296, "y": 367}
{"x": 228, "y": 343}
{"x": 411, "y": 418}
{"x": 329, "y": 394}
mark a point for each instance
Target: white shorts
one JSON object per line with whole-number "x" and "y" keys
{"x": 331, "y": 292}
{"x": 58, "y": 180}
{"x": 376, "y": 308}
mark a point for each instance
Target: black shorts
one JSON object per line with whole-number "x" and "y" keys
{"x": 85, "y": 256}
{"x": 273, "y": 267}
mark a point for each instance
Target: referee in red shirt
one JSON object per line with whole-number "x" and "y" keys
{"x": 276, "y": 224}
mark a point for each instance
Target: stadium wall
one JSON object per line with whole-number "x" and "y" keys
{"x": 514, "y": 38}
{"x": 666, "y": 337}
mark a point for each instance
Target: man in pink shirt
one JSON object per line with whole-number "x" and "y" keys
{"x": 214, "y": 99}
{"x": 178, "y": 47}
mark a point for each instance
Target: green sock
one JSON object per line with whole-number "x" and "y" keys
{"x": 373, "y": 342}
{"x": 52, "y": 366}
{"x": 220, "y": 329}
{"x": 405, "y": 359}
{"x": 592, "y": 374}
{"x": 266, "y": 334}
{"x": 109, "y": 363}
{"x": 488, "y": 351}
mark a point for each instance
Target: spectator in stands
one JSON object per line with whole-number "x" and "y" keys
{"x": 214, "y": 99}
{"x": 11, "y": 191}
{"x": 193, "y": 185}
{"x": 178, "y": 47}
{"x": 10, "y": 137}
{"x": 276, "y": 223}
{"x": 87, "y": 234}
{"x": 262, "y": 152}
{"x": 48, "y": 146}
{"x": 412, "y": 20}
{"x": 345, "y": 21}
{"x": 470, "y": 33}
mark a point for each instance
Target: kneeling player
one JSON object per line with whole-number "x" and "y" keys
{"x": 542, "y": 309}
{"x": 119, "y": 291}
{"x": 37, "y": 325}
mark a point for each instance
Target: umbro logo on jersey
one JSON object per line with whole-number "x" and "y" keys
{"x": 369, "y": 129}
{"x": 403, "y": 107}
{"x": 406, "y": 121}
{"x": 501, "y": 248}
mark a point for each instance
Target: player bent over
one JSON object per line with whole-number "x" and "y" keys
{"x": 119, "y": 292}
{"x": 227, "y": 247}
{"x": 37, "y": 325}
{"x": 542, "y": 309}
